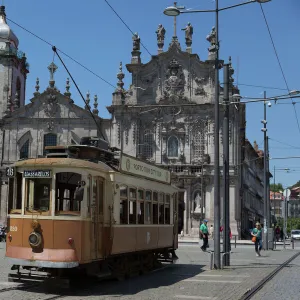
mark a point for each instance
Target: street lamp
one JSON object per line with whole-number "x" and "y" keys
{"x": 174, "y": 11}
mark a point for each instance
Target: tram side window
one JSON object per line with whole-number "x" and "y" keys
{"x": 140, "y": 207}
{"x": 161, "y": 204}
{"x": 38, "y": 194}
{"x": 123, "y": 205}
{"x": 155, "y": 208}
{"x": 69, "y": 193}
{"x": 15, "y": 194}
{"x": 148, "y": 204}
{"x": 132, "y": 206}
{"x": 167, "y": 209}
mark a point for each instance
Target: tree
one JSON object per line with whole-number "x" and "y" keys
{"x": 295, "y": 185}
{"x": 276, "y": 187}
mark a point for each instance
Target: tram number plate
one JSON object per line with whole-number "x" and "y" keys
{"x": 13, "y": 228}
{"x": 10, "y": 172}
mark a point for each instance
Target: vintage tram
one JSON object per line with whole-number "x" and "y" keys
{"x": 90, "y": 209}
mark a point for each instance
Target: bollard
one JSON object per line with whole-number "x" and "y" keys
{"x": 211, "y": 259}
{"x": 235, "y": 241}
{"x": 275, "y": 244}
{"x": 293, "y": 244}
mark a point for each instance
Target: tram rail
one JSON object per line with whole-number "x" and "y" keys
{"x": 251, "y": 292}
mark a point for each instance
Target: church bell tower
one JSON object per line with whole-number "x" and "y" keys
{"x": 13, "y": 70}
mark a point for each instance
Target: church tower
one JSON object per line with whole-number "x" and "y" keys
{"x": 13, "y": 70}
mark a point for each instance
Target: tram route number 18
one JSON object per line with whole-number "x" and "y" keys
{"x": 10, "y": 172}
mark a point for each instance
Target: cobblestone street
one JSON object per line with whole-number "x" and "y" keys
{"x": 189, "y": 278}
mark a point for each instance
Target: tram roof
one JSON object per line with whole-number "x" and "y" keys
{"x": 63, "y": 162}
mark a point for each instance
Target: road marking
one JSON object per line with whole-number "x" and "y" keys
{"x": 211, "y": 275}
{"x": 224, "y": 275}
{"x": 212, "y": 281}
{"x": 194, "y": 297}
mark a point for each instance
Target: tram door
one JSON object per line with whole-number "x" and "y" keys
{"x": 97, "y": 217}
{"x": 175, "y": 220}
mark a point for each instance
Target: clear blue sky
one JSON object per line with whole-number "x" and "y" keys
{"x": 91, "y": 33}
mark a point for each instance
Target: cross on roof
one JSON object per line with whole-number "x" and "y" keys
{"x": 52, "y": 68}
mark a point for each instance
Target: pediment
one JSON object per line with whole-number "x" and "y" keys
{"x": 50, "y": 104}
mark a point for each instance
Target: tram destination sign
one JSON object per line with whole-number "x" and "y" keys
{"x": 37, "y": 174}
{"x": 136, "y": 167}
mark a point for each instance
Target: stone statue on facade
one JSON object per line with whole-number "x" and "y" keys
{"x": 160, "y": 32}
{"x": 212, "y": 39}
{"x": 198, "y": 203}
{"x": 136, "y": 42}
{"x": 188, "y": 34}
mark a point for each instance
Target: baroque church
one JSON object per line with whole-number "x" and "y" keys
{"x": 166, "y": 117}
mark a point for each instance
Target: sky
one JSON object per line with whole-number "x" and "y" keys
{"x": 91, "y": 33}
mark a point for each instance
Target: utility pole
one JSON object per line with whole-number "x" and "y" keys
{"x": 226, "y": 240}
{"x": 268, "y": 187}
{"x": 217, "y": 214}
{"x": 264, "y": 121}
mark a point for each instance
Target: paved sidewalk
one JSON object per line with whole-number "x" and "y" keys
{"x": 233, "y": 241}
{"x": 246, "y": 270}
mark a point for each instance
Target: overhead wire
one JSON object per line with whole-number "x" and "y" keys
{"x": 64, "y": 53}
{"x": 126, "y": 25}
{"x": 283, "y": 143}
{"x": 278, "y": 60}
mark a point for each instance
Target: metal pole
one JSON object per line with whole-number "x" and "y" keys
{"x": 202, "y": 193}
{"x": 268, "y": 188}
{"x": 226, "y": 240}
{"x": 285, "y": 214}
{"x": 217, "y": 261}
{"x": 265, "y": 244}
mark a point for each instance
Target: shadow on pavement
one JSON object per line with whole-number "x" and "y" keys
{"x": 160, "y": 278}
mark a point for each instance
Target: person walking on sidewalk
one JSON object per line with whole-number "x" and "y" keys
{"x": 204, "y": 234}
{"x": 211, "y": 231}
{"x": 258, "y": 242}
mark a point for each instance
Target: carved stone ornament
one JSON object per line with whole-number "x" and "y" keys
{"x": 50, "y": 105}
{"x": 174, "y": 84}
{"x": 199, "y": 90}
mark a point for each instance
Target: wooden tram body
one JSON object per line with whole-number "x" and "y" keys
{"x": 81, "y": 208}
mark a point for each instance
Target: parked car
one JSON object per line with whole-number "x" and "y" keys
{"x": 295, "y": 234}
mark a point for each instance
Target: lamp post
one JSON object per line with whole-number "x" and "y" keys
{"x": 174, "y": 11}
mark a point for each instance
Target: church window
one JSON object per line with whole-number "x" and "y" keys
{"x": 24, "y": 151}
{"x": 50, "y": 139}
{"x": 148, "y": 144}
{"x": 198, "y": 142}
{"x": 173, "y": 146}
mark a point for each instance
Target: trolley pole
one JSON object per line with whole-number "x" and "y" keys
{"x": 226, "y": 239}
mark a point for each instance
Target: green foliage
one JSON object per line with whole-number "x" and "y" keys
{"x": 276, "y": 187}
{"x": 292, "y": 223}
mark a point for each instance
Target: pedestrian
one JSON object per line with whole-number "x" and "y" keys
{"x": 256, "y": 232}
{"x": 211, "y": 231}
{"x": 203, "y": 231}
{"x": 277, "y": 233}
{"x": 281, "y": 235}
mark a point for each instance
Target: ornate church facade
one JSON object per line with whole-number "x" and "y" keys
{"x": 166, "y": 117}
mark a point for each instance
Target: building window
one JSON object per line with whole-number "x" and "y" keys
{"x": 50, "y": 139}
{"x": 198, "y": 142}
{"x": 148, "y": 144}
{"x": 173, "y": 146}
{"x": 24, "y": 151}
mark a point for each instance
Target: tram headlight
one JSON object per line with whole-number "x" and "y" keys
{"x": 35, "y": 239}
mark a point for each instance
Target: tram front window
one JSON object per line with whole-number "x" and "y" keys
{"x": 38, "y": 194}
{"x": 69, "y": 193}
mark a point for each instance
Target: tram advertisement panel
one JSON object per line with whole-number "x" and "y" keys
{"x": 136, "y": 167}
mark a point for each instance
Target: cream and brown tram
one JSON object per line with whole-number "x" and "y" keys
{"x": 89, "y": 208}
